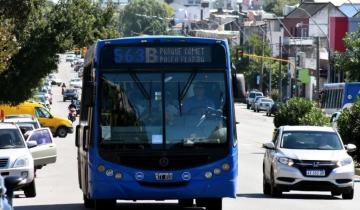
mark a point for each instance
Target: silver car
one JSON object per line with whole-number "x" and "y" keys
{"x": 308, "y": 158}
{"x": 263, "y": 104}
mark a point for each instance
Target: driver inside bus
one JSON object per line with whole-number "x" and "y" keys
{"x": 198, "y": 103}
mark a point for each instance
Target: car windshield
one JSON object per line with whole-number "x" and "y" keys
{"x": 11, "y": 138}
{"x": 132, "y": 107}
{"x": 311, "y": 140}
{"x": 70, "y": 91}
{"x": 267, "y": 100}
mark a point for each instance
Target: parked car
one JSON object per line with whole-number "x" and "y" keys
{"x": 59, "y": 126}
{"x": 76, "y": 83}
{"x": 250, "y": 98}
{"x": 15, "y": 157}
{"x": 23, "y": 119}
{"x": 70, "y": 94}
{"x": 308, "y": 158}
{"x": 263, "y": 104}
{"x": 273, "y": 109}
{"x": 257, "y": 98}
{"x": 70, "y": 57}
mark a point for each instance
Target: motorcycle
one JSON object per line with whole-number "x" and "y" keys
{"x": 72, "y": 114}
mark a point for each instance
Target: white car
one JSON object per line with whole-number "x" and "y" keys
{"x": 308, "y": 158}
{"x": 263, "y": 104}
{"x": 20, "y": 158}
{"x": 76, "y": 83}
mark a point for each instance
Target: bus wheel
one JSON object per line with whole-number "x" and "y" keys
{"x": 61, "y": 132}
{"x": 105, "y": 204}
{"x": 186, "y": 203}
{"x": 88, "y": 202}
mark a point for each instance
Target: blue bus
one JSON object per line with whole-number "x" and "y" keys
{"x": 157, "y": 122}
{"x": 335, "y": 96}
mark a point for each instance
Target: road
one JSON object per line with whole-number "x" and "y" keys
{"x": 57, "y": 186}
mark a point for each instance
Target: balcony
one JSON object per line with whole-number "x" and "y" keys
{"x": 302, "y": 41}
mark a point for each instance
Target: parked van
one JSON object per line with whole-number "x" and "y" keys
{"x": 59, "y": 126}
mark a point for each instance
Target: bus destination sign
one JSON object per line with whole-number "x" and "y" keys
{"x": 162, "y": 55}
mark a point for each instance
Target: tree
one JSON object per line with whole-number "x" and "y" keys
{"x": 349, "y": 126}
{"x": 300, "y": 111}
{"x": 32, "y": 38}
{"x": 276, "y": 6}
{"x": 349, "y": 61}
{"x": 145, "y": 17}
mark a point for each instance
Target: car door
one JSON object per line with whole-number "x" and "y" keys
{"x": 45, "y": 151}
{"x": 269, "y": 154}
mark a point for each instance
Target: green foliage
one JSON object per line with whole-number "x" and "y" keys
{"x": 274, "y": 94}
{"x": 299, "y": 111}
{"x": 348, "y": 125}
{"x": 315, "y": 117}
{"x": 349, "y": 61}
{"x": 31, "y": 39}
{"x": 141, "y": 17}
{"x": 276, "y": 6}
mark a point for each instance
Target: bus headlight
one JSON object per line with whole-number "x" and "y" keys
{"x": 109, "y": 172}
{"x": 208, "y": 174}
{"x": 101, "y": 168}
{"x": 226, "y": 166}
{"x": 118, "y": 175}
{"x": 217, "y": 171}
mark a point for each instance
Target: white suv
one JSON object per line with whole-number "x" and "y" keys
{"x": 308, "y": 158}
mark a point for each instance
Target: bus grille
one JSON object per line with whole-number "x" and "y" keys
{"x": 3, "y": 162}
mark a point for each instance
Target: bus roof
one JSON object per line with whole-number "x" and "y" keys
{"x": 161, "y": 39}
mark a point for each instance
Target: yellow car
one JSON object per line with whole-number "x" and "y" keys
{"x": 59, "y": 126}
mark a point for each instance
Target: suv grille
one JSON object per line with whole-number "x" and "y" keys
{"x": 3, "y": 162}
{"x": 304, "y": 165}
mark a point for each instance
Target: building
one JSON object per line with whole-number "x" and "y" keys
{"x": 301, "y": 26}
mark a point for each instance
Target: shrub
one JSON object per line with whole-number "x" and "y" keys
{"x": 299, "y": 111}
{"x": 349, "y": 126}
{"x": 274, "y": 94}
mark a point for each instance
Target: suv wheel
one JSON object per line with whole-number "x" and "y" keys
{"x": 348, "y": 195}
{"x": 61, "y": 132}
{"x": 30, "y": 190}
{"x": 275, "y": 192}
{"x": 266, "y": 185}
{"x": 247, "y": 106}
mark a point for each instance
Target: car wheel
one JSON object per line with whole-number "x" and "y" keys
{"x": 105, "y": 204}
{"x": 274, "y": 191}
{"x": 88, "y": 202}
{"x": 266, "y": 185}
{"x": 184, "y": 203}
{"x": 348, "y": 195}
{"x": 30, "y": 190}
{"x": 61, "y": 132}
{"x": 248, "y": 106}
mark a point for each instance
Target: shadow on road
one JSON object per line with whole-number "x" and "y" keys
{"x": 122, "y": 206}
{"x": 289, "y": 196}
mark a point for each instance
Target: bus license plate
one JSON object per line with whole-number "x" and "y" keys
{"x": 164, "y": 176}
{"x": 315, "y": 172}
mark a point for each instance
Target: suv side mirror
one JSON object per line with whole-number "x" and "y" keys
{"x": 350, "y": 147}
{"x": 269, "y": 145}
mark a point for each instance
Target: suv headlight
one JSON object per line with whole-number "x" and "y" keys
{"x": 21, "y": 162}
{"x": 345, "y": 162}
{"x": 285, "y": 161}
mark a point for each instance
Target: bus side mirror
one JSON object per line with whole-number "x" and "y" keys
{"x": 88, "y": 93}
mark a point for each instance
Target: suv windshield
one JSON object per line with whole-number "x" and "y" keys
{"x": 133, "y": 104}
{"x": 11, "y": 138}
{"x": 311, "y": 140}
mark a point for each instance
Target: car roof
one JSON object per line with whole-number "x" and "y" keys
{"x": 308, "y": 128}
{"x": 4, "y": 125}
{"x": 15, "y": 120}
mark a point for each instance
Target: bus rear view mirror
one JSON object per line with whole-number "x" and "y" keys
{"x": 88, "y": 93}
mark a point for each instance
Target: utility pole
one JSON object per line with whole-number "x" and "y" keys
{"x": 318, "y": 70}
{"x": 262, "y": 60}
{"x": 241, "y": 22}
{"x": 280, "y": 71}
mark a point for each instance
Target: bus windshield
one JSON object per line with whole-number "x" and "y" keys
{"x": 163, "y": 110}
